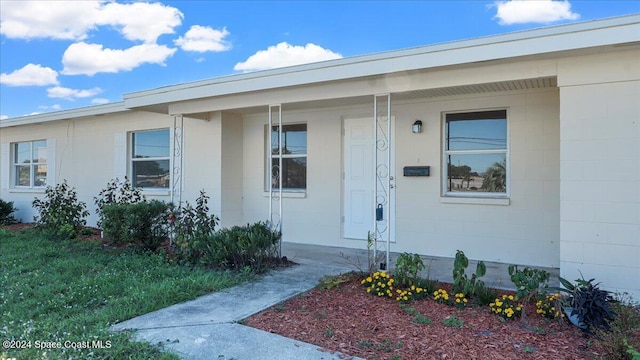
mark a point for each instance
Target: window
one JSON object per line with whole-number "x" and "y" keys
{"x": 30, "y": 163}
{"x": 294, "y": 157}
{"x": 150, "y": 160}
{"x": 475, "y": 151}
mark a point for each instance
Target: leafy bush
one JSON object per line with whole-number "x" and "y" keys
{"x": 530, "y": 283}
{"x": 6, "y": 213}
{"x": 252, "y": 245}
{"x": 116, "y": 192}
{"x": 624, "y": 338}
{"x": 60, "y": 212}
{"x": 463, "y": 284}
{"x": 191, "y": 228}
{"x": 144, "y": 224}
{"x": 407, "y": 268}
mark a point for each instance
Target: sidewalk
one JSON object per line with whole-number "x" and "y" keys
{"x": 207, "y": 327}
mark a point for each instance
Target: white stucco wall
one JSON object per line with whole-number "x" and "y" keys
{"x": 600, "y": 167}
{"x": 524, "y": 232}
{"x": 86, "y": 155}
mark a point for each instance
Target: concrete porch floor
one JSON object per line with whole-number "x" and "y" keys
{"x": 436, "y": 268}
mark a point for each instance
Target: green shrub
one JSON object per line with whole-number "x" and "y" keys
{"x": 624, "y": 338}
{"x": 144, "y": 224}
{"x": 463, "y": 284}
{"x": 6, "y": 213}
{"x": 60, "y": 214}
{"x": 530, "y": 284}
{"x": 191, "y": 227}
{"x": 252, "y": 246}
{"x": 116, "y": 192}
{"x": 407, "y": 268}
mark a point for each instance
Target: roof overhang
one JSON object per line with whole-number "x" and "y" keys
{"x": 97, "y": 110}
{"x": 513, "y": 46}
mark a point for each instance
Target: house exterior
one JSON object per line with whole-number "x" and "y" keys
{"x": 528, "y": 152}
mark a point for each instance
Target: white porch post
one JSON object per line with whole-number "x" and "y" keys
{"x": 275, "y": 193}
{"x": 177, "y": 160}
{"x": 382, "y": 186}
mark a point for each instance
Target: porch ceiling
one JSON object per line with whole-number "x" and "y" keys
{"x": 502, "y": 86}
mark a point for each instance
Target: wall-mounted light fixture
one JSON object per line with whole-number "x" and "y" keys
{"x": 416, "y": 128}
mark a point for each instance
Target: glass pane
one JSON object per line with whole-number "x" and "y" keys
{"x": 294, "y": 139}
{"x": 294, "y": 173}
{"x": 476, "y": 134}
{"x": 477, "y": 173}
{"x": 40, "y": 176}
{"x": 23, "y": 175}
{"x": 151, "y": 174}
{"x": 40, "y": 151}
{"x": 151, "y": 144}
{"x": 23, "y": 153}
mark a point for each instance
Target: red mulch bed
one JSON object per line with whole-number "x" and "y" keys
{"x": 348, "y": 320}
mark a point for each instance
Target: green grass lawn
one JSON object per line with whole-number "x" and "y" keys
{"x": 72, "y": 291}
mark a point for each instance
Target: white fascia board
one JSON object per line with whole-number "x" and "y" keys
{"x": 524, "y": 43}
{"x": 65, "y": 114}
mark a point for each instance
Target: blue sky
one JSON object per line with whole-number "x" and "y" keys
{"x": 59, "y": 55}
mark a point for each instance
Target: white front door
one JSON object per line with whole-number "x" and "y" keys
{"x": 359, "y": 179}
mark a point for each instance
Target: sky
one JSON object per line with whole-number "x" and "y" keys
{"x": 60, "y": 55}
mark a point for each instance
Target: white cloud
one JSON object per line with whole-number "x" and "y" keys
{"x": 203, "y": 39}
{"x": 30, "y": 75}
{"x": 99, "y": 101}
{"x": 67, "y": 20}
{"x": 52, "y": 107}
{"x": 89, "y": 59}
{"x": 283, "y": 54}
{"x": 533, "y": 11}
{"x": 141, "y": 21}
{"x": 72, "y": 20}
{"x": 2, "y": 117}
{"x": 70, "y": 94}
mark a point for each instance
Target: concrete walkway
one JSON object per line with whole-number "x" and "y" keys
{"x": 208, "y": 328}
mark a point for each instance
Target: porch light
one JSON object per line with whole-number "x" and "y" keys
{"x": 417, "y": 127}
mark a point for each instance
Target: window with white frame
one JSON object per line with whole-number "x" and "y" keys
{"x": 476, "y": 154}
{"x": 30, "y": 163}
{"x": 294, "y": 158}
{"x": 150, "y": 159}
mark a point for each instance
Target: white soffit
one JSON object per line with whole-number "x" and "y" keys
{"x": 494, "y": 87}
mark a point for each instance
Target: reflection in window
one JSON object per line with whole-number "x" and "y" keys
{"x": 30, "y": 163}
{"x": 476, "y": 153}
{"x": 294, "y": 157}
{"x": 150, "y": 152}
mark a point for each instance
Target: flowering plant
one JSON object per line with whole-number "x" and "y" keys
{"x": 549, "y": 307}
{"x": 506, "y": 307}
{"x": 460, "y": 300}
{"x": 441, "y": 296}
{"x": 379, "y": 283}
{"x": 410, "y": 294}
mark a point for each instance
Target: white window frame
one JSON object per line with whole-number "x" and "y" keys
{"x": 131, "y": 159}
{"x": 267, "y": 162}
{"x": 32, "y": 165}
{"x": 445, "y": 153}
